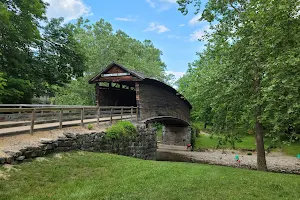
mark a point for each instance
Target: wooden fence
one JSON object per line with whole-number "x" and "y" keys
{"x": 36, "y": 111}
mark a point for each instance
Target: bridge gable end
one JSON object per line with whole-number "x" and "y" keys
{"x": 116, "y": 73}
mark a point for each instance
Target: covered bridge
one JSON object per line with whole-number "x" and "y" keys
{"x": 156, "y": 101}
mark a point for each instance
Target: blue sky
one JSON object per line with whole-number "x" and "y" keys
{"x": 158, "y": 20}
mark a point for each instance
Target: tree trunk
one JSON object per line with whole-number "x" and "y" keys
{"x": 259, "y": 135}
{"x": 261, "y": 157}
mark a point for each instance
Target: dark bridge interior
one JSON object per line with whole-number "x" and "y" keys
{"x": 116, "y": 94}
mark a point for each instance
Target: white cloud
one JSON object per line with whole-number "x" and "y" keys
{"x": 173, "y": 37}
{"x": 69, "y": 9}
{"x": 161, "y": 5}
{"x": 151, "y": 3}
{"x": 176, "y": 74}
{"x": 181, "y": 25}
{"x": 197, "y": 34}
{"x": 154, "y": 26}
{"x": 125, "y": 19}
{"x": 195, "y": 20}
{"x": 169, "y": 1}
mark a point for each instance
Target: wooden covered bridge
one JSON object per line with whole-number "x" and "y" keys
{"x": 156, "y": 101}
{"x": 120, "y": 94}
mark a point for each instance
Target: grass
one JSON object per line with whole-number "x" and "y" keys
{"x": 79, "y": 175}
{"x": 248, "y": 143}
{"x": 210, "y": 142}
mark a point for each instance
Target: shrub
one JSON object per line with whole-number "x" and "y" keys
{"x": 121, "y": 129}
{"x": 193, "y": 141}
{"x": 249, "y": 153}
{"x": 90, "y": 126}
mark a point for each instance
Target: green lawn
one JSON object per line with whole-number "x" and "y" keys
{"x": 86, "y": 175}
{"x": 248, "y": 143}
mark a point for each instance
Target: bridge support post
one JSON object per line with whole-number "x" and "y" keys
{"x": 121, "y": 113}
{"x": 98, "y": 115}
{"x": 32, "y": 121}
{"x": 111, "y": 115}
{"x": 82, "y": 116}
{"x": 60, "y": 118}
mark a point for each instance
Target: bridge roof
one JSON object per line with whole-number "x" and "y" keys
{"x": 132, "y": 76}
{"x": 166, "y": 120}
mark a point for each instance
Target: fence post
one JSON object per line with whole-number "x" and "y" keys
{"x": 82, "y": 116}
{"x": 32, "y": 121}
{"x": 137, "y": 114}
{"x": 121, "y": 113}
{"x": 111, "y": 115}
{"x": 131, "y": 112}
{"x": 60, "y": 118}
{"x": 98, "y": 115}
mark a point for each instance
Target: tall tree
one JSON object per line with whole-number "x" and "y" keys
{"x": 102, "y": 45}
{"x": 19, "y": 31}
{"x": 252, "y": 54}
{"x": 32, "y": 63}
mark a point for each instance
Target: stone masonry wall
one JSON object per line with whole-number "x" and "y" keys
{"x": 176, "y": 135}
{"x": 142, "y": 146}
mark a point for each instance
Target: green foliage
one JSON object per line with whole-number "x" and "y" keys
{"x": 35, "y": 58}
{"x": 78, "y": 92}
{"x": 193, "y": 141}
{"x": 101, "y": 45}
{"x": 19, "y": 23}
{"x": 249, "y": 73}
{"x": 90, "y": 126}
{"x": 2, "y": 84}
{"x": 122, "y": 129}
{"x": 17, "y": 90}
{"x": 159, "y": 130}
{"x": 96, "y": 176}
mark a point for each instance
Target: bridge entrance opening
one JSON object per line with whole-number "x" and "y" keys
{"x": 116, "y": 94}
{"x": 117, "y": 86}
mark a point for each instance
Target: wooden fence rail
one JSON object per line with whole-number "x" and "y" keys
{"x": 111, "y": 111}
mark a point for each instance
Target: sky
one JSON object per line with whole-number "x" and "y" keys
{"x": 160, "y": 21}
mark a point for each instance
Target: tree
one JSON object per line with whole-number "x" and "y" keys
{"x": 19, "y": 31}
{"x": 251, "y": 65}
{"x": 2, "y": 84}
{"x": 59, "y": 57}
{"x": 101, "y": 46}
{"x": 31, "y": 62}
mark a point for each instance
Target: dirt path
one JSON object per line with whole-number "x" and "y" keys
{"x": 277, "y": 162}
{"x": 26, "y": 128}
{"x": 16, "y": 142}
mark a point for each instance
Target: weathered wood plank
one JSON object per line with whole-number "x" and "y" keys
{"x": 32, "y": 121}
{"x": 82, "y": 116}
{"x": 61, "y": 119}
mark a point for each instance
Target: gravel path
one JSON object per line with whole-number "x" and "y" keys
{"x": 276, "y": 161}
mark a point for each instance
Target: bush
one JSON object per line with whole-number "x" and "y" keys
{"x": 193, "y": 141}
{"x": 121, "y": 129}
{"x": 249, "y": 153}
{"x": 90, "y": 126}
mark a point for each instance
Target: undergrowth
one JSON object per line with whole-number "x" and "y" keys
{"x": 121, "y": 129}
